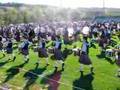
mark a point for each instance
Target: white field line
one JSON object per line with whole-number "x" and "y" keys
{"x": 43, "y": 76}
{"x": 10, "y": 85}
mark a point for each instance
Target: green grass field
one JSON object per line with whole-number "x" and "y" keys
{"x": 20, "y": 76}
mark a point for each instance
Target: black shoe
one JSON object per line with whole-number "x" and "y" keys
{"x": 118, "y": 75}
{"x": 55, "y": 69}
{"x": 62, "y": 69}
{"x": 9, "y": 59}
{"x": 81, "y": 73}
{"x": 47, "y": 64}
{"x": 14, "y": 58}
{"x": 3, "y": 55}
{"x": 63, "y": 66}
{"x": 27, "y": 61}
{"x": 91, "y": 70}
{"x": 37, "y": 63}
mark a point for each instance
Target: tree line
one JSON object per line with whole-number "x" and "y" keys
{"x": 20, "y": 13}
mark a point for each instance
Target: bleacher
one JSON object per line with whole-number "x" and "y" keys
{"x": 103, "y": 19}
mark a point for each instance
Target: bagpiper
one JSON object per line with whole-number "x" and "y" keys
{"x": 9, "y": 49}
{"x": 42, "y": 51}
{"x": 1, "y": 46}
{"x": 58, "y": 53}
{"x": 84, "y": 56}
{"x": 24, "y": 49}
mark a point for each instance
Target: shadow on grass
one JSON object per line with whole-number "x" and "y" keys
{"x": 66, "y": 52}
{"x": 15, "y": 47}
{"x": 110, "y": 60}
{"x": 2, "y": 57}
{"x": 102, "y": 56}
{"x": 117, "y": 88}
{"x": 113, "y": 43}
{"x": 32, "y": 75}
{"x": 52, "y": 80}
{"x": 93, "y": 46}
{"x": 13, "y": 71}
{"x": 3, "y": 63}
{"x": 84, "y": 82}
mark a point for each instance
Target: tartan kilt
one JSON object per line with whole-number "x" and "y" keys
{"x": 53, "y": 37}
{"x": 42, "y": 52}
{"x": 102, "y": 42}
{"x": 24, "y": 52}
{"x": 58, "y": 54}
{"x": 17, "y": 39}
{"x": 105, "y": 40}
{"x": 30, "y": 39}
{"x": 84, "y": 59}
{"x": 43, "y": 35}
{"x": 9, "y": 50}
{"x": 118, "y": 61}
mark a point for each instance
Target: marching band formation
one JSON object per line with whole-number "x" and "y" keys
{"x": 37, "y": 35}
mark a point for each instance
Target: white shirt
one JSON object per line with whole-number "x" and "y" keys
{"x": 70, "y": 31}
{"x": 57, "y": 43}
{"x": 85, "y": 30}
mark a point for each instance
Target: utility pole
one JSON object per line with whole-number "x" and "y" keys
{"x": 104, "y": 9}
{"x": 61, "y": 3}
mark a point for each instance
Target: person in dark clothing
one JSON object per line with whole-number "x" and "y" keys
{"x": 9, "y": 50}
{"x": 84, "y": 56}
